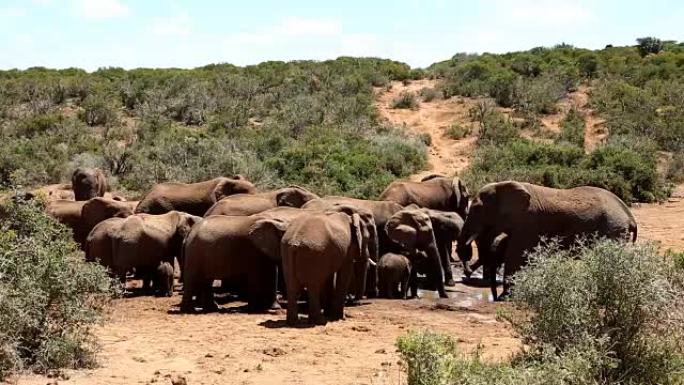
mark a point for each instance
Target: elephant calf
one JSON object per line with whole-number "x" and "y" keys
{"x": 163, "y": 280}
{"x": 393, "y": 270}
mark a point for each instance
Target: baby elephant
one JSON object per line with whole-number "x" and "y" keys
{"x": 163, "y": 281}
{"x": 393, "y": 269}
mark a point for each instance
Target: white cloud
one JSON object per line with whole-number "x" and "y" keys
{"x": 11, "y": 12}
{"x": 99, "y": 9}
{"x": 177, "y": 26}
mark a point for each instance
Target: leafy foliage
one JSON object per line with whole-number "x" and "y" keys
{"x": 50, "y": 296}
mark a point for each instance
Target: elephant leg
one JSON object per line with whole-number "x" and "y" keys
{"x": 413, "y": 283}
{"x": 435, "y": 270}
{"x": 403, "y": 285}
{"x": 261, "y": 286}
{"x": 315, "y": 316}
{"x": 446, "y": 264}
{"x": 327, "y": 296}
{"x": 292, "y": 298}
{"x": 187, "y": 304}
{"x": 206, "y": 296}
{"x": 342, "y": 283}
{"x": 360, "y": 278}
{"x": 372, "y": 282}
{"x": 512, "y": 263}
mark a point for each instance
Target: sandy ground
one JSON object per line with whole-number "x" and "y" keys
{"x": 146, "y": 341}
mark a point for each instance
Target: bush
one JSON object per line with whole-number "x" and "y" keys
{"x": 601, "y": 313}
{"x": 428, "y": 94}
{"x": 50, "y": 296}
{"x": 405, "y": 100}
{"x": 573, "y": 129}
{"x": 457, "y": 131}
{"x": 675, "y": 171}
{"x": 649, "y": 45}
{"x": 97, "y": 111}
{"x": 425, "y": 138}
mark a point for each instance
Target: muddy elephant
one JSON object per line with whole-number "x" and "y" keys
{"x": 527, "y": 212}
{"x": 97, "y": 210}
{"x": 88, "y": 183}
{"x": 66, "y": 212}
{"x": 143, "y": 241}
{"x": 319, "y": 253}
{"x": 192, "y": 198}
{"x": 433, "y": 192}
{"x": 382, "y": 211}
{"x": 431, "y": 232}
{"x": 394, "y": 270}
{"x": 248, "y": 204}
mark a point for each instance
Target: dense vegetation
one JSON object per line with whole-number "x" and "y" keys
{"x": 301, "y": 122}
{"x": 639, "y": 91}
{"x": 49, "y": 296}
{"x": 605, "y": 313}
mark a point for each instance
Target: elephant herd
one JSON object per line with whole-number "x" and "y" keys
{"x": 337, "y": 249}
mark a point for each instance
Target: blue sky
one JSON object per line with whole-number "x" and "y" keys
{"x": 158, "y": 33}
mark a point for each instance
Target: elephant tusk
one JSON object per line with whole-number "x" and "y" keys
{"x": 372, "y": 262}
{"x": 470, "y": 239}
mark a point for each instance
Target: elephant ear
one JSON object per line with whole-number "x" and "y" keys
{"x": 293, "y": 196}
{"x": 512, "y": 198}
{"x": 446, "y": 222}
{"x": 462, "y": 195}
{"x": 266, "y": 234}
{"x": 361, "y": 238}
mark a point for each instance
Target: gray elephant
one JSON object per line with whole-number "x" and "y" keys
{"x": 319, "y": 252}
{"x": 221, "y": 247}
{"x": 143, "y": 241}
{"x": 393, "y": 270}
{"x": 192, "y": 198}
{"x": 433, "y": 192}
{"x": 382, "y": 211}
{"x": 248, "y": 204}
{"x": 88, "y": 183}
{"x": 97, "y": 210}
{"x": 430, "y": 232}
{"x": 527, "y": 212}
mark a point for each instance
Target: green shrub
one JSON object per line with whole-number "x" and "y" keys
{"x": 97, "y": 111}
{"x": 675, "y": 171}
{"x": 426, "y": 138}
{"x": 38, "y": 124}
{"x": 457, "y": 131}
{"x": 649, "y": 45}
{"x": 496, "y": 128}
{"x": 573, "y": 128}
{"x": 603, "y": 312}
{"x": 405, "y": 100}
{"x": 428, "y": 94}
{"x": 50, "y": 296}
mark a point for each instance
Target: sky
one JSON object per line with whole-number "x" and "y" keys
{"x": 176, "y": 33}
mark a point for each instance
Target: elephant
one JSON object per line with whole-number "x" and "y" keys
{"x": 192, "y": 198}
{"x": 53, "y": 192}
{"x": 98, "y": 243}
{"x": 526, "y": 213}
{"x": 97, "y": 210}
{"x": 319, "y": 252}
{"x": 393, "y": 270}
{"x": 223, "y": 247}
{"x": 163, "y": 280}
{"x": 67, "y": 213}
{"x": 382, "y": 211}
{"x": 88, "y": 183}
{"x": 143, "y": 241}
{"x": 435, "y": 192}
{"x": 431, "y": 232}
{"x": 248, "y": 204}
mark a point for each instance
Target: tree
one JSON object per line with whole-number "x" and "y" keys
{"x": 648, "y": 45}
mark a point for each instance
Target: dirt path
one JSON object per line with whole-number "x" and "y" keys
{"x": 144, "y": 343}
{"x": 663, "y": 222}
{"x": 445, "y": 155}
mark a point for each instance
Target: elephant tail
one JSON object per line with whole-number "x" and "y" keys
{"x": 633, "y": 230}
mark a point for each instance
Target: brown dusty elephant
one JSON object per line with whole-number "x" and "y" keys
{"x": 431, "y": 232}
{"x": 88, "y": 183}
{"x": 433, "y": 192}
{"x": 319, "y": 253}
{"x": 527, "y": 212}
{"x": 97, "y": 210}
{"x": 221, "y": 247}
{"x": 393, "y": 270}
{"x": 248, "y": 204}
{"x": 192, "y": 198}
{"x": 53, "y": 192}
{"x": 66, "y": 212}
{"x": 98, "y": 244}
{"x": 143, "y": 241}
{"x": 382, "y": 211}
{"x": 163, "y": 280}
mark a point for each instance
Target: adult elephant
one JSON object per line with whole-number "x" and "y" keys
{"x": 382, "y": 211}
{"x": 53, "y": 192}
{"x": 66, "y": 212}
{"x": 248, "y": 204}
{"x": 527, "y": 212}
{"x": 427, "y": 235}
{"x": 319, "y": 253}
{"x": 221, "y": 247}
{"x": 433, "y": 192}
{"x": 98, "y": 243}
{"x": 88, "y": 183}
{"x": 192, "y": 198}
{"x": 97, "y": 210}
{"x": 143, "y": 241}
